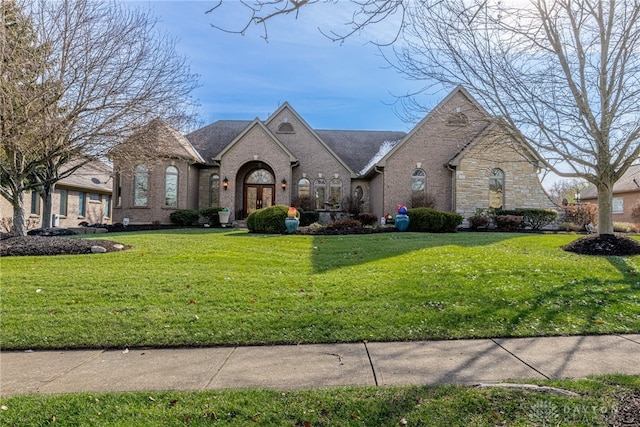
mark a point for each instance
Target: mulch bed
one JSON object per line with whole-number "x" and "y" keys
{"x": 604, "y": 245}
{"x": 39, "y": 245}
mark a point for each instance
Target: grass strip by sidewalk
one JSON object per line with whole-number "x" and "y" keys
{"x": 600, "y": 400}
{"x": 217, "y": 287}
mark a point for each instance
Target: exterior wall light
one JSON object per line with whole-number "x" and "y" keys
{"x": 225, "y": 183}
{"x": 283, "y": 184}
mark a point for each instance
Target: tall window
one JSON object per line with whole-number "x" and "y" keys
{"x": 319, "y": 192}
{"x": 214, "y": 190}
{"x": 304, "y": 188}
{"x": 418, "y": 186}
{"x": 141, "y": 186}
{"x": 171, "y": 186}
{"x": 64, "y": 201}
{"x": 82, "y": 204}
{"x": 35, "y": 203}
{"x": 335, "y": 193}
{"x": 117, "y": 188}
{"x": 107, "y": 206}
{"x": 496, "y": 189}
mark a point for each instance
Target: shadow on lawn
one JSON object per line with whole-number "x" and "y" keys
{"x": 587, "y": 301}
{"x": 333, "y": 252}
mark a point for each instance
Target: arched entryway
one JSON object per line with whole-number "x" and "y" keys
{"x": 258, "y": 190}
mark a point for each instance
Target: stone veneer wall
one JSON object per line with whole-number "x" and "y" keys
{"x": 522, "y": 187}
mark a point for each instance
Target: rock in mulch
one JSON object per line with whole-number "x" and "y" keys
{"x": 38, "y": 245}
{"x": 604, "y": 245}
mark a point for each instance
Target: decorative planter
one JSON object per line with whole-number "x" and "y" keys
{"x": 402, "y": 222}
{"x": 291, "y": 224}
{"x": 224, "y": 217}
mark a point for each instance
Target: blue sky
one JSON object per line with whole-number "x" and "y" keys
{"x": 332, "y": 86}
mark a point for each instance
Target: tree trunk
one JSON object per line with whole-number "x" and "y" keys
{"x": 605, "y": 208}
{"x": 19, "y": 217}
{"x": 47, "y": 205}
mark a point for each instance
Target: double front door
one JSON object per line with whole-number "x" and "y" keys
{"x": 257, "y": 196}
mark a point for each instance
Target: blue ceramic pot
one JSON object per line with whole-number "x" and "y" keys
{"x": 402, "y": 222}
{"x": 291, "y": 224}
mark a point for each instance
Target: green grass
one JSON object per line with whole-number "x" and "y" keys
{"x": 599, "y": 398}
{"x": 216, "y": 287}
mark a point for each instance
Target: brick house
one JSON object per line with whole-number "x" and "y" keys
{"x": 626, "y": 194}
{"x": 84, "y": 196}
{"x": 457, "y": 159}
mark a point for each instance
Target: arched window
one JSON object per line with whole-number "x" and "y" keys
{"x": 285, "y": 127}
{"x": 319, "y": 192}
{"x": 304, "y": 188}
{"x": 496, "y": 189}
{"x": 141, "y": 186}
{"x": 214, "y": 190}
{"x": 171, "y": 186}
{"x": 260, "y": 176}
{"x": 335, "y": 193}
{"x": 418, "y": 187}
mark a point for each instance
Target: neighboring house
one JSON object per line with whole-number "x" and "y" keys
{"x": 84, "y": 196}
{"x": 626, "y": 194}
{"x": 456, "y": 159}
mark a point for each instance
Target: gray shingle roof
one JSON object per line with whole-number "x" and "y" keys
{"x": 624, "y": 185}
{"x": 212, "y": 139}
{"x": 355, "y": 147}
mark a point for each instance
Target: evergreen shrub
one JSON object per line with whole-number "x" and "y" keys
{"x": 184, "y": 217}
{"x": 433, "y": 221}
{"x": 268, "y": 220}
{"x": 211, "y": 215}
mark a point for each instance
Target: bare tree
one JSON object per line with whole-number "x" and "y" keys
{"x": 113, "y": 74}
{"x": 25, "y": 99}
{"x": 564, "y": 75}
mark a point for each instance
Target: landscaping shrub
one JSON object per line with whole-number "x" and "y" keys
{"x": 508, "y": 222}
{"x": 343, "y": 224}
{"x": 635, "y": 211}
{"x": 211, "y": 215}
{"x": 569, "y": 226}
{"x": 624, "y": 227}
{"x": 268, "y": 220}
{"x": 184, "y": 217}
{"x": 308, "y": 217}
{"x": 582, "y": 214}
{"x": 433, "y": 221}
{"x": 535, "y": 219}
{"x": 367, "y": 218}
{"x": 478, "y": 221}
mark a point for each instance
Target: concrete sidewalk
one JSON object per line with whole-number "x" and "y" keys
{"x": 318, "y": 365}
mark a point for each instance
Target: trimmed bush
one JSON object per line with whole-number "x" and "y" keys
{"x": 508, "y": 222}
{"x": 478, "y": 221}
{"x": 367, "y": 218}
{"x": 535, "y": 219}
{"x": 308, "y": 217}
{"x": 433, "y": 221}
{"x": 582, "y": 214}
{"x": 211, "y": 215}
{"x": 268, "y": 220}
{"x": 184, "y": 217}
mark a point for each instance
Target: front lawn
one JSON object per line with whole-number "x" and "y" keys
{"x": 221, "y": 287}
